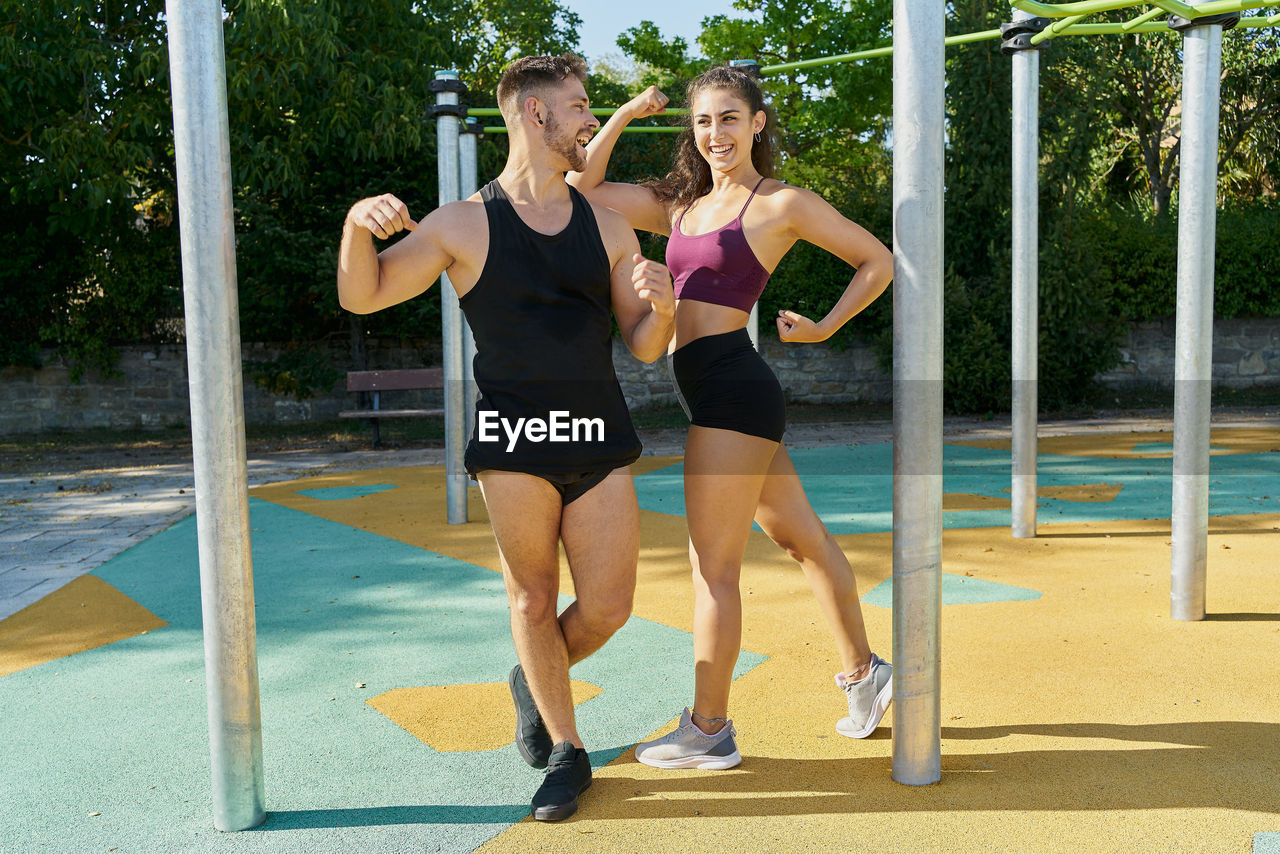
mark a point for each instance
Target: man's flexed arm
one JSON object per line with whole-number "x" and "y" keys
{"x": 642, "y": 297}
{"x": 369, "y": 281}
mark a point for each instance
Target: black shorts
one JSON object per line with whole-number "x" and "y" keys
{"x": 570, "y": 486}
{"x": 722, "y": 382}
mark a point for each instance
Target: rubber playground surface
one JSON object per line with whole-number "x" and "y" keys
{"x": 1077, "y": 716}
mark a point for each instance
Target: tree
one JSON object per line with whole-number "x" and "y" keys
{"x": 326, "y": 103}
{"x": 1133, "y": 90}
{"x": 87, "y": 163}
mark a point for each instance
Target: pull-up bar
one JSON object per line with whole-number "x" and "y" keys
{"x": 1201, "y": 27}
{"x": 1139, "y": 24}
{"x": 872, "y": 53}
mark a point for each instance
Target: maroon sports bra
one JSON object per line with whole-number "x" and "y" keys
{"x": 717, "y": 267}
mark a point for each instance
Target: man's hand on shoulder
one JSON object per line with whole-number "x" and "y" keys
{"x": 383, "y": 216}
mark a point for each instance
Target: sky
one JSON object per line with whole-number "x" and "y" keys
{"x": 604, "y": 20}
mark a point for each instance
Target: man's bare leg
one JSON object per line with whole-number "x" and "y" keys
{"x": 601, "y": 533}
{"x": 525, "y": 513}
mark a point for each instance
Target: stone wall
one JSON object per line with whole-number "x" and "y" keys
{"x": 148, "y": 389}
{"x": 809, "y": 373}
{"x": 151, "y": 391}
{"x": 1246, "y": 352}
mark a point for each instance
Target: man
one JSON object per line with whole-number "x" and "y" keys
{"x": 537, "y": 269}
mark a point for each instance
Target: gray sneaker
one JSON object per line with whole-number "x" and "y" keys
{"x": 869, "y": 697}
{"x": 689, "y": 747}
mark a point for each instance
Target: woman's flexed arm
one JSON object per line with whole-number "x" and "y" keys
{"x": 638, "y": 204}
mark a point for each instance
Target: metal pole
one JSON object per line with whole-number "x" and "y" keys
{"x": 203, "y": 159}
{"x": 1197, "y": 220}
{"x": 918, "y": 83}
{"x": 1026, "y": 159}
{"x": 447, "y": 127}
{"x": 468, "y": 178}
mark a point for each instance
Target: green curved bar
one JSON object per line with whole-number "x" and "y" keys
{"x": 1176, "y": 7}
{"x": 1220, "y": 6}
{"x": 1089, "y": 7}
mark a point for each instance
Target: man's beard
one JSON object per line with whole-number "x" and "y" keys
{"x": 566, "y": 145}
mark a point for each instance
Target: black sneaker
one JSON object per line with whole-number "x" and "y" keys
{"x": 532, "y": 739}
{"x": 568, "y": 775}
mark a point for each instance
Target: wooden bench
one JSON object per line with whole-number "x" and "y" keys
{"x": 413, "y": 379}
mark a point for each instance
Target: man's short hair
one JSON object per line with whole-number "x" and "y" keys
{"x": 532, "y": 76}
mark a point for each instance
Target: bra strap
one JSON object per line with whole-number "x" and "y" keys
{"x": 680, "y": 218}
{"x": 750, "y": 197}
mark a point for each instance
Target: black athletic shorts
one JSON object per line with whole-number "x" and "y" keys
{"x": 722, "y": 382}
{"x": 570, "y": 486}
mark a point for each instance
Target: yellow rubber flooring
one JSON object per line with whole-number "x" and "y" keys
{"x": 1085, "y": 720}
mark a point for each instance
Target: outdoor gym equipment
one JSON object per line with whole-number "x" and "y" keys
{"x": 213, "y": 342}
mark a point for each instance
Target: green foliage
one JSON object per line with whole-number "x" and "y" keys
{"x": 326, "y": 104}
{"x": 1247, "y": 271}
{"x": 1138, "y": 252}
{"x": 976, "y": 351}
{"x": 83, "y": 151}
{"x": 298, "y": 371}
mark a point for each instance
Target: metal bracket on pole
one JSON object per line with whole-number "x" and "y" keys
{"x": 471, "y": 126}
{"x": 447, "y": 84}
{"x": 1016, "y": 36}
{"x": 458, "y": 111}
{"x": 748, "y": 65}
{"x": 1226, "y": 20}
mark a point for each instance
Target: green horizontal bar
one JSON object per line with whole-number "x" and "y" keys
{"x": 983, "y": 35}
{"x": 641, "y": 129}
{"x": 968, "y": 38}
{"x": 1114, "y": 29}
{"x": 1259, "y": 21}
{"x": 595, "y": 111}
{"x": 828, "y": 60}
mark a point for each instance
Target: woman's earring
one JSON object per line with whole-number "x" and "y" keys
{"x": 757, "y": 136}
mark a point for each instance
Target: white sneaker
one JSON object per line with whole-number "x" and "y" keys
{"x": 689, "y": 747}
{"x": 869, "y": 697}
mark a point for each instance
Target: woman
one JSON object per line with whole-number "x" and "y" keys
{"x": 730, "y": 223}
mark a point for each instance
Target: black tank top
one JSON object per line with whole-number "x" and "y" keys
{"x": 540, "y": 313}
